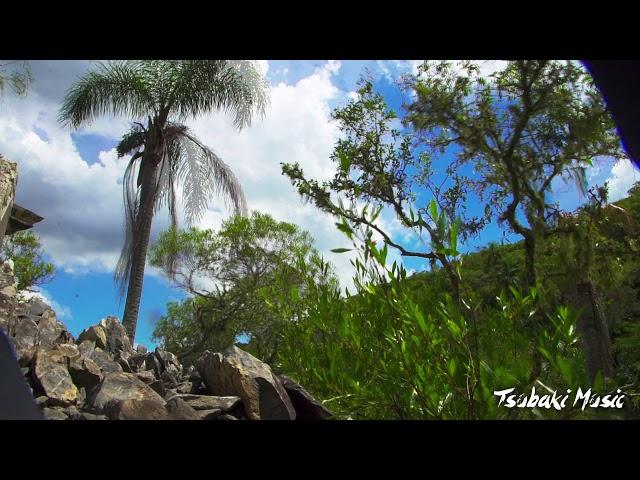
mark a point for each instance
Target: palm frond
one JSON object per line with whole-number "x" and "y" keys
{"x": 203, "y": 174}
{"x": 132, "y": 141}
{"x": 202, "y": 86}
{"x": 131, "y": 205}
{"x": 119, "y": 88}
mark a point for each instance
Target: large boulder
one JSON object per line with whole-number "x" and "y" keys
{"x": 168, "y": 360}
{"x": 237, "y": 373}
{"x": 117, "y": 387}
{"x": 85, "y": 373}
{"x": 96, "y": 334}
{"x": 104, "y": 361}
{"x": 52, "y": 377}
{"x": 307, "y": 407}
{"x": 117, "y": 339}
{"x": 51, "y": 332}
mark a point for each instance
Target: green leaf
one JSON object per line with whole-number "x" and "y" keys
{"x": 341, "y": 250}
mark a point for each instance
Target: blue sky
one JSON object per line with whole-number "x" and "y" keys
{"x": 73, "y": 179}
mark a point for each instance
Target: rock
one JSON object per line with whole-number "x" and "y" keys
{"x": 167, "y": 359}
{"x": 208, "y": 402}
{"x": 152, "y": 363}
{"x": 82, "y": 397}
{"x": 169, "y": 379}
{"x": 117, "y": 387}
{"x": 237, "y": 373}
{"x": 122, "y": 361}
{"x": 141, "y": 349}
{"x": 86, "y": 348}
{"x": 136, "y": 362}
{"x": 212, "y": 414}
{"x": 181, "y": 410}
{"x": 138, "y": 409}
{"x": 186, "y": 387}
{"x": 158, "y": 387}
{"x": 117, "y": 339}
{"x": 226, "y": 417}
{"x": 42, "y": 400}
{"x": 71, "y": 412}
{"x": 25, "y": 371}
{"x": 85, "y": 373}
{"x": 146, "y": 376}
{"x": 307, "y": 408}
{"x": 35, "y": 306}
{"x": 50, "y": 331}
{"x": 104, "y": 361}
{"x": 91, "y": 416}
{"x": 96, "y": 334}
{"x": 25, "y": 332}
{"x": 53, "y": 414}
{"x": 52, "y": 377}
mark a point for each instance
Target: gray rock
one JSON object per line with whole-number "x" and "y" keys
{"x": 91, "y": 416}
{"x": 117, "y": 339}
{"x": 104, "y": 361}
{"x": 53, "y": 414}
{"x": 96, "y": 334}
{"x": 122, "y": 361}
{"x": 158, "y": 387}
{"x": 211, "y": 414}
{"x": 307, "y": 407}
{"x": 141, "y": 349}
{"x": 136, "y": 362}
{"x": 85, "y": 373}
{"x": 52, "y": 377}
{"x": 50, "y": 331}
{"x": 117, "y": 387}
{"x": 152, "y": 363}
{"x": 237, "y": 373}
{"x": 186, "y": 387}
{"x": 138, "y": 409}
{"x": 208, "y": 402}
{"x": 146, "y": 376}
{"x": 181, "y": 410}
{"x": 25, "y": 332}
{"x": 35, "y": 306}
{"x": 169, "y": 379}
{"x": 167, "y": 359}
{"x": 226, "y": 417}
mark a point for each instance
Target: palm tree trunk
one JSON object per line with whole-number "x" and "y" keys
{"x": 143, "y": 230}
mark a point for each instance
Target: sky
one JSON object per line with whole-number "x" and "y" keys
{"x": 74, "y": 178}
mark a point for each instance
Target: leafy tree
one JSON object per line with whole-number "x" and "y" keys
{"x": 226, "y": 272}
{"x": 525, "y": 126}
{"x": 377, "y": 168}
{"x": 30, "y": 268}
{"x": 378, "y": 353}
{"x": 165, "y": 153}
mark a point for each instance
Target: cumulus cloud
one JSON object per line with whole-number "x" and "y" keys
{"x": 623, "y": 176}
{"x": 82, "y": 202}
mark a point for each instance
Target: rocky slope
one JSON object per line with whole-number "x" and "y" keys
{"x": 100, "y": 376}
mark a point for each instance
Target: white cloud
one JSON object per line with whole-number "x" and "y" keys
{"x": 623, "y": 176}
{"x": 82, "y": 203}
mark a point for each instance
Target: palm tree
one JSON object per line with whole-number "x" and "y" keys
{"x": 165, "y": 153}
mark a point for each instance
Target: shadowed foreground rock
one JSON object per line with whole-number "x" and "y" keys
{"x": 100, "y": 376}
{"x": 237, "y": 373}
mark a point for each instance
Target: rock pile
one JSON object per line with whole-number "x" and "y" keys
{"x": 100, "y": 376}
